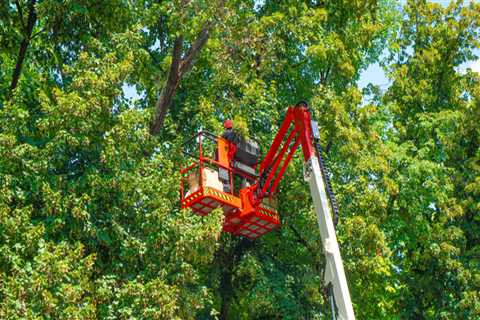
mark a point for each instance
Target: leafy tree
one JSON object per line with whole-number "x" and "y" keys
{"x": 432, "y": 160}
{"x": 90, "y": 225}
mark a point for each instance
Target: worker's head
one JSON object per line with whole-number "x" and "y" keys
{"x": 302, "y": 104}
{"x": 228, "y": 124}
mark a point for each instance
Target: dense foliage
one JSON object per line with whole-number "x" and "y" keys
{"x": 90, "y": 225}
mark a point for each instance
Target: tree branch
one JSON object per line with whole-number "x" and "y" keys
{"x": 37, "y": 33}
{"x": 179, "y": 67}
{"x": 313, "y": 252}
{"x": 329, "y": 145}
{"x": 165, "y": 99}
{"x": 32, "y": 19}
{"x": 192, "y": 53}
{"x": 301, "y": 240}
{"x": 324, "y": 75}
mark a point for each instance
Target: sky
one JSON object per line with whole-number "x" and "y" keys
{"x": 374, "y": 73}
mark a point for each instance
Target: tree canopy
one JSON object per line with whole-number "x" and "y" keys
{"x": 90, "y": 219}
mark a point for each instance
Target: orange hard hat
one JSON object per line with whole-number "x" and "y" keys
{"x": 228, "y": 124}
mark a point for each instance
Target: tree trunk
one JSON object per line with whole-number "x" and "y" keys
{"x": 226, "y": 292}
{"x": 229, "y": 258}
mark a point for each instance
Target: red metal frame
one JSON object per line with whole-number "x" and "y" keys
{"x": 201, "y": 161}
{"x": 296, "y": 126}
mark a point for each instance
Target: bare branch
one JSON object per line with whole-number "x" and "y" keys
{"x": 165, "y": 99}
{"x": 187, "y": 61}
{"x": 179, "y": 67}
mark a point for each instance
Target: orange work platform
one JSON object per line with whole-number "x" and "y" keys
{"x": 210, "y": 182}
{"x": 253, "y": 225}
{"x": 204, "y": 200}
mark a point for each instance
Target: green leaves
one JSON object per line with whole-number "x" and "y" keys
{"x": 430, "y": 112}
{"x": 54, "y": 283}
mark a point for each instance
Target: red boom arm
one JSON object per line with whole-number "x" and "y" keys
{"x": 295, "y": 130}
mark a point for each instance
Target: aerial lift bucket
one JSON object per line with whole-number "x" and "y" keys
{"x": 209, "y": 183}
{"x": 205, "y": 192}
{"x": 253, "y": 220}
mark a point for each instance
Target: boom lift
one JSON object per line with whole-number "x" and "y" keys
{"x": 227, "y": 174}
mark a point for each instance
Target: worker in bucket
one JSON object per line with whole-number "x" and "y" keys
{"x": 246, "y": 155}
{"x": 229, "y": 134}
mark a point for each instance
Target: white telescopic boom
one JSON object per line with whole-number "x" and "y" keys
{"x": 334, "y": 272}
